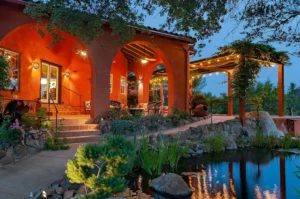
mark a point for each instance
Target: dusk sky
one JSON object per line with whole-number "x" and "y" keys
{"x": 292, "y": 72}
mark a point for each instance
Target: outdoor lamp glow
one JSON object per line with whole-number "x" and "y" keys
{"x": 43, "y": 81}
{"x": 35, "y": 65}
{"x": 140, "y": 81}
{"x": 67, "y": 74}
{"x": 144, "y": 61}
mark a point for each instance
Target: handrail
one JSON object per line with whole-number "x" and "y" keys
{"x": 56, "y": 110}
{"x": 76, "y": 94}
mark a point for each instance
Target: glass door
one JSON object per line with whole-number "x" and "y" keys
{"x": 49, "y": 82}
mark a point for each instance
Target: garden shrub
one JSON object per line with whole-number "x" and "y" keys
{"x": 153, "y": 159}
{"x": 286, "y": 141}
{"x": 102, "y": 167}
{"x": 197, "y": 99}
{"x": 177, "y": 116}
{"x": 121, "y": 126}
{"x": 54, "y": 141}
{"x": 258, "y": 140}
{"x": 10, "y": 132}
{"x": 215, "y": 142}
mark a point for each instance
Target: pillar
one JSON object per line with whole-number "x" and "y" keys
{"x": 280, "y": 90}
{"x": 161, "y": 93}
{"x": 101, "y": 59}
{"x": 230, "y": 101}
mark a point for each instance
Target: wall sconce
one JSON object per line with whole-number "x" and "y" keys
{"x": 140, "y": 81}
{"x": 35, "y": 65}
{"x": 67, "y": 74}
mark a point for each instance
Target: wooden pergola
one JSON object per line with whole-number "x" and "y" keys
{"x": 226, "y": 63}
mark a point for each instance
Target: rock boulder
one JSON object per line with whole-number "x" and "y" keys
{"x": 172, "y": 185}
{"x": 266, "y": 123}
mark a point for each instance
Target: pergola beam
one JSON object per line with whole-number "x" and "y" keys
{"x": 145, "y": 48}
{"x": 133, "y": 52}
{"x": 143, "y": 52}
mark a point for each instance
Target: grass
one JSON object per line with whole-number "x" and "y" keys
{"x": 215, "y": 143}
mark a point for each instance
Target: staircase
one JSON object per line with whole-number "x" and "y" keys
{"x": 76, "y": 128}
{"x": 63, "y": 110}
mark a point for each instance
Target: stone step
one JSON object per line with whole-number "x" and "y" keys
{"x": 65, "y": 113}
{"x": 78, "y": 133}
{"x": 80, "y": 127}
{"x": 72, "y": 121}
{"x": 85, "y": 139}
{"x": 57, "y": 106}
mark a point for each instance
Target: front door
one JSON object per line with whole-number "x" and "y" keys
{"x": 50, "y": 82}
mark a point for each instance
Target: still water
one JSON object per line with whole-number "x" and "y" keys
{"x": 238, "y": 175}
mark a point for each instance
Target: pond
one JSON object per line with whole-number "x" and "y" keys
{"x": 258, "y": 174}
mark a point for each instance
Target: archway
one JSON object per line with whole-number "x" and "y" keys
{"x": 158, "y": 90}
{"x": 137, "y": 60}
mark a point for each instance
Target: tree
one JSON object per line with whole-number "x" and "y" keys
{"x": 198, "y": 83}
{"x": 88, "y": 19}
{"x": 4, "y": 73}
{"x": 271, "y": 20}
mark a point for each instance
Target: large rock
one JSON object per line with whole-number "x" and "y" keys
{"x": 266, "y": 123}
{"x": 172, "y": 185}
{"x": 231, "y": 145}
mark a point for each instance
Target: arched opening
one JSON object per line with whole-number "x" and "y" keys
{"x": 139, "y": 61}
{"x": 158, "y": 88}
{"x": 132, "y": 91}
{"x": 60, "y": 73}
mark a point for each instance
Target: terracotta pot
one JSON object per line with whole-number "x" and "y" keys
{"x": 200, "y": 111}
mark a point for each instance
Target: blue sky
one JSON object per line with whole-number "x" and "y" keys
{"x": 292, "y": 72}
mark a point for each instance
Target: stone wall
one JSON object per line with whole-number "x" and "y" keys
{"x": 15, "y": 151}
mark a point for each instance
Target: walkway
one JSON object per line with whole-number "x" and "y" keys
{"x": 39, "y": 171}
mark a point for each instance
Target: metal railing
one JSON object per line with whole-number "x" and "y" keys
{"x": 56, "y": 110}
{"x": 32, "y": 104}
{"x": 77, "y": 94}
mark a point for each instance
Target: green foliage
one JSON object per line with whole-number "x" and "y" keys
{"x": 271, "y": 142}
{"x": 36, "y": 120}
{"x": 215, "y": 143}
{"x": 153, "y": 159}
{"x": 178, "y": 115}
{"x": 54, "y": 140}
{"x": 248, "y": 66}
{"x": 197, "y": 99}
{"x": 121, "y": 126}
{"x": 286, "y": 141}
{"x": 7, "y": 134}
{"x": 4, "y": 73}
{"x": 297, "y": 173}
{"x": 277, "y": 18}
{"x": 257, "y": 140}
{"x": 198, "y": 83}
{"x": 102, "y": 166}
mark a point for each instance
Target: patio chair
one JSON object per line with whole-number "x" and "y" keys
{"x": 115, "y": 105}
{"x": 154, "y": 106}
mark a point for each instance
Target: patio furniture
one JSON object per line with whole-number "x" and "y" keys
{"x": 134, "y": 111}
{"x": 87, "y": 106}
{"x": 115, "y": 105}
{"x": 154, "y": 106}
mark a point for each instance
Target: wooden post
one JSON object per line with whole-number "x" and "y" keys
{"x": 242, "y": 112}
{"x": 230, "y": 102}
{"x": 280, "y": 90}
{"x": 161, "y": 93}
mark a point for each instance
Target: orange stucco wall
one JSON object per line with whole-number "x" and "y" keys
{"x": 118, "y": 70}
{"x": 91, "y": 79}
{"x": 32, "y": 47}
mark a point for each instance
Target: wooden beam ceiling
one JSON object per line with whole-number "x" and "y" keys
{"x": 136, "y": 52}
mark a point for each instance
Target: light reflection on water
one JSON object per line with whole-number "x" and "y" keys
{"x": 241, "y": 175}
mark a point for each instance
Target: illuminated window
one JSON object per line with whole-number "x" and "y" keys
{"x": 111, "y": 83}
{"x": 123, "y": 83}
{"x": 14, "y": 70}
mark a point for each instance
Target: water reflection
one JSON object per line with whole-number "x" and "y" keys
{"x": 241, "y": 175}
